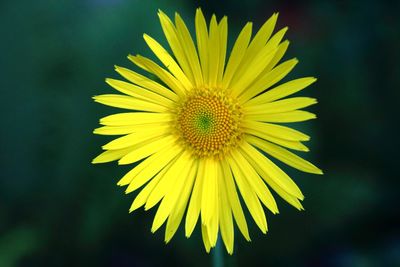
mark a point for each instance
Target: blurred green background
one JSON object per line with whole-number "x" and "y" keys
{"x": 56, "y": 209}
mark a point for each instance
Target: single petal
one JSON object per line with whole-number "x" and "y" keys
{"x": 276, "y": 130}
{"x": 285, "y": 117}
{"x": 284, "y": 155}
{"x": 249, "y": 196}
{"x": 279, "y": 106}
{"x": 168, "y": 61}
{"x": 273, "y": 171}
{"x": 136, "y": 118}
{"x": 237, "y": 54}
{"x": 128, "y": 102}
{"x": 177, "y": 213}
{"x": 139, "y": 92}
{"x": 268, "y": 80}
{"x": 147, "y": 83}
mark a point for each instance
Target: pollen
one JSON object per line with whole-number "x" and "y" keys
{"x": 208, "y": 122}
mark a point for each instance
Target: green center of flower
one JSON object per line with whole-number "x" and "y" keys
{"x": 208, "y": 122}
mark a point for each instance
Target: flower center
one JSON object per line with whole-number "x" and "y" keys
{"x": 208, "y": 122}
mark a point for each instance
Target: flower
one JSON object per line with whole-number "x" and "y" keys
{"x": 206, "y": 130}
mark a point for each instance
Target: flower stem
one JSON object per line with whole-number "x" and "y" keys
{"x": 218, "y": 254}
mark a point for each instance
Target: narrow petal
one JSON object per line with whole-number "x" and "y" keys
{"x": 285, "y": 117}
{"x": 139, "y": 92}
{"x": 206, "y": 240}
{"x": 284, "y": 155}
{"x": 209, "y": 203}
{"x": 147, "y": 83}
{"x": 133, "y": 139}
{"x": 295, "y": 145}
{"x": 189, "y": 49}
{"x": 255, "y": 182}
{"x": 292, "y": 200}
{"x": 146, "y": 149}
{"x": 128, "y": 129}
{"x": 161, "y": 73}
{"x": 223, "y": 40}
{"x": 170, "y": 33}
{"x": 260, "y": 39}
{"x": 169, "y": 189}
{"x": 249, "y": 196}
{"x": 225, "y": 214}
{"x": 273, "y": 171}
{"x": 128, "y": 102}
{"x": 237, "y": 54}
{"x": 168, "y": 61}
{"x": 150, "y": 166}
{"x": 282, "y": 91}
{"x": 194, "y": 207}
{"x": 143, "y": 195}
{"x": 279, "y": 106}
{"x": 260, "y": 62}
{"x": 202, "y": 43}
{"x": 276, "y": 130}
{"x": 214, "y": 52}
{"x": 234, "y": 201}
{"x": 111, "y": 155}
{"x": 135, "y": 118}
{"x": 177, "y": 213}
{"x": 268, "y": 80}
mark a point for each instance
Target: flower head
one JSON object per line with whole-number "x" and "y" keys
{"x": 206, "y": 131}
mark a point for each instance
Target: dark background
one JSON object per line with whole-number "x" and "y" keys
{"x": 56, "y": 209}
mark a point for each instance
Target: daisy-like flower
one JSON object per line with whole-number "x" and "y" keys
{"x": 205, "y": 132}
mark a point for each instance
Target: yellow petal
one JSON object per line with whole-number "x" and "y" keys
{"x": 209, "y": 204}
{"x": 260, "y": 39}
{"x": 143, "y": 195}
{"x": 237, "y": 54}
{"x": 273, "y": 171}
{"x": 128, "y": 102}
{"x": 225, "y": 214}
{"x": 269, "y": 79}
{"x": 283, "y": 90}
{"x": 189, "y": 49}
{"x": 279, "y": 106}
{"x": 115, "y": 130}
{"x": 174, "y": 43}
{"x": 168, "y": 61}
{"x": 147, "y": 83}
{"x": 284, "y": 155}
{"x": 255, "y": 182}
{"x": 292, "y": 200}
{"x": 234, "y": 200}
{"x": 146, "y": 149}
{"x": 135, "y": 118}
{"x": 291, "y": 116}
{"x": 202, "y": 43}
{"x": 276, "y": 130}
{"x": 259, "y": 59}
{"x": 133, "y": 139}
{"x": 173, "y": 83}
{"x": 249, "y": 196}
{"x": 214, "y": 52}
{"x": 194, "y": 207}
{"x": 169, "y": 189}
{"x": 148, "y": 168}
{"x": 223, "y": 40}
{"x": 206, "y": 240}
{"x": 177, "y": 213}
{"x": 139, "y": 92}
{"x": 111, "y": 155}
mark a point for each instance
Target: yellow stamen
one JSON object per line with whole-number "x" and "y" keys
{"x": 208, "y": 122}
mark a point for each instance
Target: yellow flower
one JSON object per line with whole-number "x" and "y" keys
{"x": 203, "y": 132}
